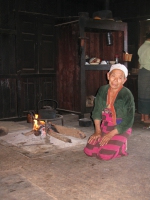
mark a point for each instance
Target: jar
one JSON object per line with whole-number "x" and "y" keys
{"x": 116, "y": 59}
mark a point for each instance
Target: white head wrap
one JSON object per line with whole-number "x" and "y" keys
{"x": 121, "y": 67}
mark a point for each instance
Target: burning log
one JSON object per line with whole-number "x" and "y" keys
{"x": 28, "y": 133}
{"x": 58, "y": 136}
{"x": 38, "y": 128}
{"x": 43, "y": 128}
{"x": 69, "y": 131}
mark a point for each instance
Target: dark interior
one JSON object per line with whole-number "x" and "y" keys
{"x": 43, "y": 46}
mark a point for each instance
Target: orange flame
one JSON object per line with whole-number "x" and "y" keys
{"x": 37, "y": 123}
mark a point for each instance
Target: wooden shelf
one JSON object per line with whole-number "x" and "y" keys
{"x": 105, "y": 25}
{"x": 97, "y": 67}
{"x": 83, "y": 80}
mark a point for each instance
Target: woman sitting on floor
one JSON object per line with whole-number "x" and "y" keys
{"x": 113, "y": 117}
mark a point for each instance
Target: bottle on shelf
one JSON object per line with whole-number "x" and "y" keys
{"x": 116, "y": 59}
{"x": 109, "y": 39}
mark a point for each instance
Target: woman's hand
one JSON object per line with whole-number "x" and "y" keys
{"x": 97, "y": 134}
{"x": 106, "y": 138}
{"x": 94, "y": 137}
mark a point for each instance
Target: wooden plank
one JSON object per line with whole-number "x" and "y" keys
{"x": 69, "y": 131}
{"x": 58, "y": 136}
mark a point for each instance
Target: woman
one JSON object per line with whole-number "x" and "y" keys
{"x": 144, "y": 80}
{"x": 113, "y": 117}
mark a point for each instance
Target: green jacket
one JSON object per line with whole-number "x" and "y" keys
{"x": 124, "y": 106}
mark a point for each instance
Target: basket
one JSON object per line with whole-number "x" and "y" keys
{"x": 127, "y": 57}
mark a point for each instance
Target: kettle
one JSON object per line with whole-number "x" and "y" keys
{"x": 47, "y": 112}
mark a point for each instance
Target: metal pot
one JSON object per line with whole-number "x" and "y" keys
{"x": 30, "y": 116}
{"x": 84, "y": 122}
{"x": 47, "y": 112}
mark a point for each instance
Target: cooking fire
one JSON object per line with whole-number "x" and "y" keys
{"x": 40, "y": 127}
{"x": 45, "y": 127}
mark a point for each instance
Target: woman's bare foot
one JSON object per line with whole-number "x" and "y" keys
{"x": 142, "y": 117}
{"x": 145, "y": 118}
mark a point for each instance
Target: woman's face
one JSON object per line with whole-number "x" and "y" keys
{"x": 116, "y": 78}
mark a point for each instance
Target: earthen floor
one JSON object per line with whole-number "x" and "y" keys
{"x": 68, "y": 174}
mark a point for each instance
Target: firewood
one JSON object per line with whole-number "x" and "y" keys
{"x": 58, "y": 136}
{"x": 3, "y": 131}
{"x": 28, "y": 133}
{"x": 69, "y": 131}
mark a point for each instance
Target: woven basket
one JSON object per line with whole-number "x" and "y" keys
{"x": 127, "y": 57}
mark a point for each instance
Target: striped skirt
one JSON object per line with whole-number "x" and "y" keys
{"x": 115, "y": 148}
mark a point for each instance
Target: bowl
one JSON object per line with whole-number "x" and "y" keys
{"x": 85, "y": 122}
{"x": 103, "y": 62}
{"x": 112, "y": 62}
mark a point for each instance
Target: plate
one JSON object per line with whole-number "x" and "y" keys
{"x": 94, "y": 63}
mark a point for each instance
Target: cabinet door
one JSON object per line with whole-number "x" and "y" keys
{"x": 47, "y": 88}
{"x": 27, "y": 44}
{"x": 27, "y": 90}
{"x": 8, "y": 100}
{"x": 32, "y": 90}
{"x": 35, "y": 42}
{"x": 8, "y": 96}
{"x": 46, "y": 48}
{"x": 7, "y": 54}
{"x": 35, "y": 55}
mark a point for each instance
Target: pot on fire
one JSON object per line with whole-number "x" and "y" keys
{"x": 30, "y": 116}
{"x": 46, "y": 111}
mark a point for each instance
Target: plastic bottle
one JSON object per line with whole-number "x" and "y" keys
{"x": 109, "y": 39}
{"x": 116, "y": 59}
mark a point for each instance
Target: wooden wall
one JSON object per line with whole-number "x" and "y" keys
{"x": 27, "y": 64}
{"x": 28, "y": 54}
{"x": 68, "y": 69}
{"x": 74, "y": 82}
{"x": 96, "y": 46}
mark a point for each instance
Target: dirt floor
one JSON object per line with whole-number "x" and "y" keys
{"x": 66, "y": 173}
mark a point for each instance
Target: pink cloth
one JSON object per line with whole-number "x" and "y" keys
{"x": 115, "y": 148}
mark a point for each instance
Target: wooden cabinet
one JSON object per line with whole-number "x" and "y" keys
{"x": 93, "y": 34}
{"x": 27, "y": 64}
{"x": 35, "y": 43}
{"x": 8, "y": 106}
{"x": 33, "y": 88}
{"x": 75, "y": 40}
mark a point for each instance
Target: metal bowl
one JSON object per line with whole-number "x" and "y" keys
{"x": 85, "y": 122}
